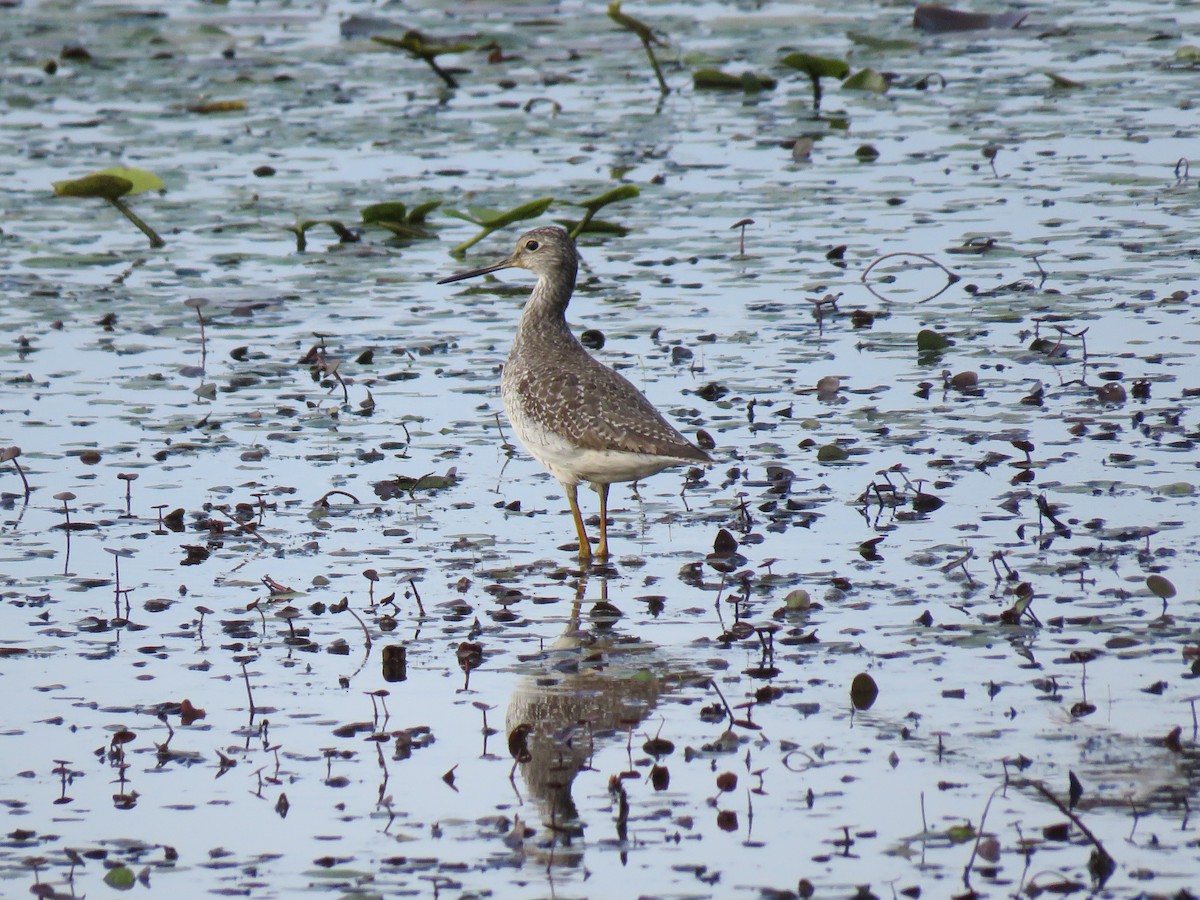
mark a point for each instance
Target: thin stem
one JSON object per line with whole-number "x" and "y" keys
{"x": 467, "y": 245}
{"x": 662, "y": 83}
{"x": 588, "y": 215}
{"x": 440, "y": 72}
{"x": 24, "y": 480}
{"x": 156, "y": 242}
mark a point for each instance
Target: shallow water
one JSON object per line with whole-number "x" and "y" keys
{"x": 296, "y": 778}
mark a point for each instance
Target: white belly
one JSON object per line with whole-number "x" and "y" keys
{"x": 571, "y": 465}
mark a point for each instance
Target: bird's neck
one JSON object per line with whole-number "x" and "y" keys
{"x": 544, "y": 317}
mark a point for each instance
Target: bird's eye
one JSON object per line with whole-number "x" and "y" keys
{"x": 531, "y": 245}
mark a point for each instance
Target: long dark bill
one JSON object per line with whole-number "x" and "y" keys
{"x": 494, "y": 267}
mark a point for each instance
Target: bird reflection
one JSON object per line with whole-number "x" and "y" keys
{"x": 592, "y": 684}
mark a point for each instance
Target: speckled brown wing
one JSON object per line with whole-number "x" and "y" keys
{"x": 606, "y": 412}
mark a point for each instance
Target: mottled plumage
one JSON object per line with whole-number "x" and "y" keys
{"x": 580, "y": 419}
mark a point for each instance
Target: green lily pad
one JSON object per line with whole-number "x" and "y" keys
{"x": 104, "y": 187}
{"x": 866, "y": 80}
{"x": 817, "y": 66}
{"x": 832, "y": 453}
{"x": 121, "y": 878}
{"x": 385, "y": 212}
{"x": 929, "y": 341}
{"x": 110, "y": 184}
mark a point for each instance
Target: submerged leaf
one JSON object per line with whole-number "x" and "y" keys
{"x": 874, "y": 43}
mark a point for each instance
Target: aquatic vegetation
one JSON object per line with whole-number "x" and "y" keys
{"x": 111, "y": 185}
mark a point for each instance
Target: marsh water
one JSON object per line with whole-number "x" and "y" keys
{"x": 316, "y": 625}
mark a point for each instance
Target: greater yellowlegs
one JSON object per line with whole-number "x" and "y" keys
{"x": 576, "y": 416}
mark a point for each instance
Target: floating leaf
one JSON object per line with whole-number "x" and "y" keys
{"x": 111, "y": 185}
{"x": 398, "y": 219}
{"x": 384, "y": 212}
{"x": 832, "y": 453}
{"x": 863, "y": 691}
{"x": 866, "y": 80}
{"x": 141, "y": 180}
{"x": 1160, "y": 587}
{"x": 797, "y": 599}
{"x": 121, "y": 878}
{"x": 817, "y": 66}
{"x": 929, "y": 341}
{"x": 103, "y": 187}
{"x": 960, "y": 834}
{"x": 419, "y": 212}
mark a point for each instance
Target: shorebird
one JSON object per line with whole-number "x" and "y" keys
{"x": 573, "y": 414}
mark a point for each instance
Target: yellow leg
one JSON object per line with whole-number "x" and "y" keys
{"x": 572, "y": 492}
{"x": 602, "y": 548}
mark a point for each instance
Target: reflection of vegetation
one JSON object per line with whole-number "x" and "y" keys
{"x": 645, "y": 34}
{"x": 716, "y": 80}
{"x": 111, "y": 185}
{"x": 816, "y": 68}
{"x": 491, "y": 220}
{"x": 415, "y": 44}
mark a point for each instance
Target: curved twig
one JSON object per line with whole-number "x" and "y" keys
{"x": 324, "y": 501}
{"x": 951, "y": 277}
